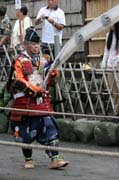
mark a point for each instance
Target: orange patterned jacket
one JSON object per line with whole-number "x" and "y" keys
{"x": 33, "y": 78}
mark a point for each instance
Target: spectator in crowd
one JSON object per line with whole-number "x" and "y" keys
{"x": 111, "y": 61}
{"x": 20, "y": 26}
{"x": 30, "y": 94}
{"x": 5, "y": 36}
{"x": 53, "y": 23}
{"x": 5, "y": 26}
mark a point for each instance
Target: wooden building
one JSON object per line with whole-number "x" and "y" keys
{"x": 96, "y": 44}
{"x": 78, "y": 13}
{"x": 73, "y": 12}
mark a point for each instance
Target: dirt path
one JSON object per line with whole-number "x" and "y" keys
{"x": 82, "y": 167}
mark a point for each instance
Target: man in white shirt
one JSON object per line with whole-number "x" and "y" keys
{"x": 22, "y": 23}
{"x": 53, "y": 23}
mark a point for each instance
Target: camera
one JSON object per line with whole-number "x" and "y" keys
{"x": 46, "y": 17}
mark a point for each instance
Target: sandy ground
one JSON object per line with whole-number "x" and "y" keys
{"x": 82, "y": 167}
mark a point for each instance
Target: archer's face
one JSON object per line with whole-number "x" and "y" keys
{"x": 32, "y": 48}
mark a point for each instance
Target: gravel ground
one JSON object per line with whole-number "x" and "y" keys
{"x": 81, "y": 167}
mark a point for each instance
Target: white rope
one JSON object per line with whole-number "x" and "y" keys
{"x": 59, "y": 113}
{"x": 62, "y": 149}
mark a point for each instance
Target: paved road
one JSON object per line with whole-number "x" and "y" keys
{"x": 82, "y": 167}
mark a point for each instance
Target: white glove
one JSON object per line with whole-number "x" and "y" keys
{"x": 39, "y": 100}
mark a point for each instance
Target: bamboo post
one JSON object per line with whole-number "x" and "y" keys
{"x": 18, "y": 7}
{"x": 68, "y": 94}
{"x": 57, "y": 45}
{"x": 108, "y": 88}
{"x": 56, "y": 51}
{"x": 87, "y": 90}
{"x": 76, "y": 88}
{"x": 98, "y": 92}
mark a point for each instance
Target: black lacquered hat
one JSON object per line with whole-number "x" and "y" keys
{"x": 31, "y": 35}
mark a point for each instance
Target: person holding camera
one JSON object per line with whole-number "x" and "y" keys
{"x": 53, "y": 23}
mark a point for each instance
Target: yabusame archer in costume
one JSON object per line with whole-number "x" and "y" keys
{"x": 29, "y": 73}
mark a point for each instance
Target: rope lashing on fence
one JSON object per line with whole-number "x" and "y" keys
{"x": 62, "y": 149}
{"x": 60, "y": 113}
